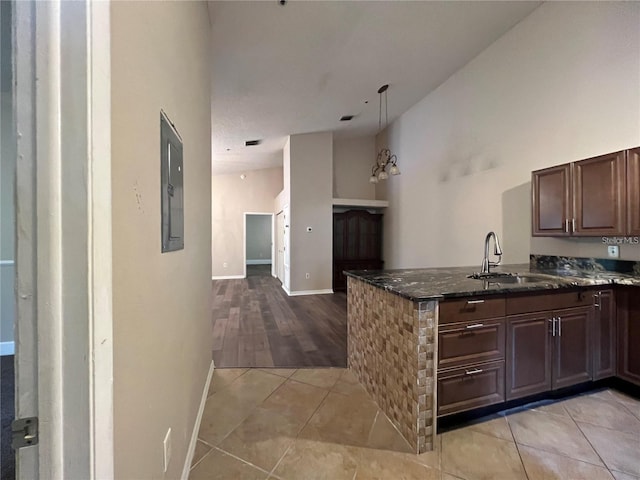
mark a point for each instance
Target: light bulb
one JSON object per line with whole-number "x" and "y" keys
{"x": 394, "y": 170}
{"x": 373, "y": 179}
{"x": 383, "y": 175}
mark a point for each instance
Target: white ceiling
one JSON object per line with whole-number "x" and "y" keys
{"x": 281, "y": 70}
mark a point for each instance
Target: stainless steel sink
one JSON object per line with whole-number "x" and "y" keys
{"x": 524, "y": 279}
{"x": 515, "y": 278}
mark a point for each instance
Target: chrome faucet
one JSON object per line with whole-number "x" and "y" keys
{"x": 486, "y": 264}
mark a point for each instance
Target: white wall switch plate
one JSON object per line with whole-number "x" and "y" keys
{"x": 613, "y": 251}
{"x": 166, "y": 443}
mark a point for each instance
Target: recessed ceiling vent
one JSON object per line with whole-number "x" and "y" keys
{"x": 346, "y": 118}
{"x": 252, "y": 143}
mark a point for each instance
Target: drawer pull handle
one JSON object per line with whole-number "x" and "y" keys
{"x": 474, "y": 302}
{"x": 473, "y": 372}
{"x": 474, "y": 326}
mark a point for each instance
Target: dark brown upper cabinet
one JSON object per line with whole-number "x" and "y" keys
{"x": 599, "y": 196}
{"x": 633, "y": 191}
{"x": 593, "y": 197}
{"x": 551, "y": 200}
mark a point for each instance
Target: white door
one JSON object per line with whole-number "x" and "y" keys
{"x": 63, "y": 330}
{"x": 286, "y": 247}
{"x": 280, "y": 246}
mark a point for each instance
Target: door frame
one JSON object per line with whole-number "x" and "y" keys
{"x": 244, "y": 241}
{"x": 64, "y": 335}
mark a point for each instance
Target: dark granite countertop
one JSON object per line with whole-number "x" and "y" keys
{"x": 423, "y": 284}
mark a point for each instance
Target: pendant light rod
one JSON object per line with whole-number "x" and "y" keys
{"x": 386, "y": 163}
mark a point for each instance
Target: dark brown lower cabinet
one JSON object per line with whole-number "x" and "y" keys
{"x": 572, "y": 347}
{"x": 548, "y": 350}
{"x": 528, "y": 355}
{"x": 471, "y": 343}
{"x": 604, "y": 335}
{"x": 629, "y": 335}
{"x": 470, "y": 387}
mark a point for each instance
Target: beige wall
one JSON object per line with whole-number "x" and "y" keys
{"x": 560, "y": 86}
{"x": 159, "y": 60}
{"x": 352, "y": 162}
{"x": 311, "y": 206}
{"x": 231, "y": 198}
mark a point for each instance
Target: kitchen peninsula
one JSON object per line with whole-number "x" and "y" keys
{"x": 428, "y": 343}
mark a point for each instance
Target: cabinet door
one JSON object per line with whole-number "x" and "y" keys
{"x": 572, "y": 347}
{"x": 633, "y": 192}
{"x": 599, "y": 195}
{"x": 551, "y": 201}
{"x": 528, "y": 355}
{"x": 604, "y": 335}
{"x": 629, "y": 335}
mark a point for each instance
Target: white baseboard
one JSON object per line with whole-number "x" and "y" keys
{"x": 196, "y": 428}
{"x": 264, "y": 261}
{"x": 308, "y": 292}
{"x": 226, "y": 277}
{"x": 7, "y": 348}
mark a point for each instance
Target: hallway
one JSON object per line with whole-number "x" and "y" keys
{"x": 255, "y": 324}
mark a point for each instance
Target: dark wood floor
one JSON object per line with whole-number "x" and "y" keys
{"x": 255, "y": 324}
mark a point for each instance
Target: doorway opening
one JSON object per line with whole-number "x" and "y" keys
{"x": 258, "y": 244}
{"x": 7, "y": 234}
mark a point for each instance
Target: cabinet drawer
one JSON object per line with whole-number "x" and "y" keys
{"x": 468, "y": 309}
{"x": 471, "y": 342}
{"x": 549, "y": 301}
{"x": 472, "y": 387}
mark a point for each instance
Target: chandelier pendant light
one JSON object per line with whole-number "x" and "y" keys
{"x": 386, "y": 163}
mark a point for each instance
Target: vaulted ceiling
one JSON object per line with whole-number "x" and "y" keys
{"x": 280, "y": 70}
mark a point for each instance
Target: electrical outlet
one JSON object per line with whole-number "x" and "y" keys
{"x": 307, "y": 276}
{"x": 225, "y": 265}
{"x": 166, "y": 443}
{"x": 613, "y": 251}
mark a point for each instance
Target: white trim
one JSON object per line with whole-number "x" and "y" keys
{"x": 7, "y": 263}
{"x": 357, "y": 202}
{"x": 262, "y": 261}
{"x": 7, "y": 348}
{"x": 196, "y": 428}
{"x": 100, "y": 235}
{"x": 227, "y": 277}
{"x": 298, "y": 293}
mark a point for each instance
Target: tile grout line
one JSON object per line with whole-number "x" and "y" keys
{"x": 620, "y": 402}
{"x": 241, "y": 460}
{"x": 591, "y": 445}
{"x": 203, "y": 457}
{"x": 564, "y": 455}
{"x": 272, "y": 472}
{"x": 524, "y": 467}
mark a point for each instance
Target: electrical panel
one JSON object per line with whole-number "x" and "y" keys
{"x": 172, "y": 192}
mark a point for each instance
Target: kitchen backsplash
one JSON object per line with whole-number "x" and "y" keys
{"x": 577, "y": 264}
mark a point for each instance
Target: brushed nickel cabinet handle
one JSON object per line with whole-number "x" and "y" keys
{"x": 566, "y": 226}
{"x": 474, "y": 302}
{"x": 573, "y": 225}
{"x": 552, "y": 321}
{"x": 559, "y": 326}
{"x": 473, "y": 372}
{"x": 475, "y": 325}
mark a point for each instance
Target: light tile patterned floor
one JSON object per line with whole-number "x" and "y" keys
{"x": 314, "y": 424}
